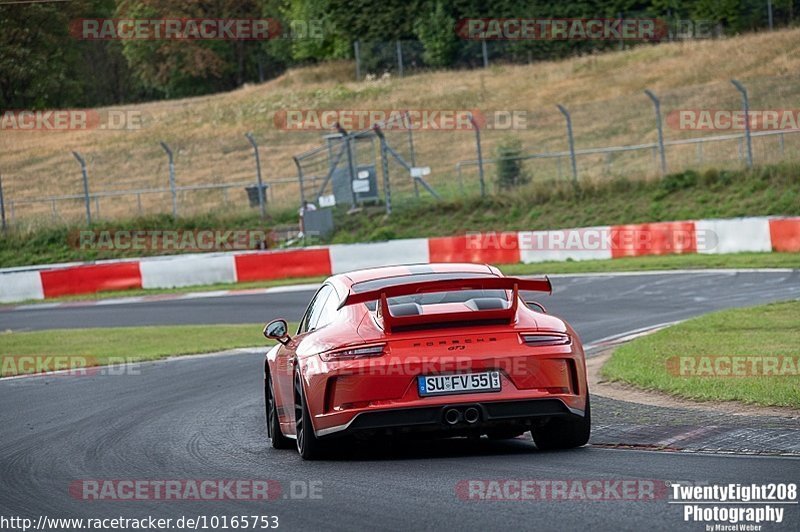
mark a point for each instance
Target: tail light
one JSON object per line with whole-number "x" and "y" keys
{"x": 354, "y": 352}
{"x": 536, "y": 339}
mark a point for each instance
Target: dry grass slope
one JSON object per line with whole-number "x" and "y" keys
{"x": 604, "y": 93}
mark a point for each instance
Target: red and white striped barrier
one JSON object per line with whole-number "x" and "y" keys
{"x": 588, "y": 243}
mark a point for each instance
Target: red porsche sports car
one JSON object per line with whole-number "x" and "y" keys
{"x": 433, "y": 349}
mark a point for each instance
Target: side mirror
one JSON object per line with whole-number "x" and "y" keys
{"x": 535, "y": 305}
{"x": 277, "y": 330}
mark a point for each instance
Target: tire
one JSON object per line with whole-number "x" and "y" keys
{"x": 309, "y": 447}
{"x": 562, "y": 433}
{"x": 279, "y": 441}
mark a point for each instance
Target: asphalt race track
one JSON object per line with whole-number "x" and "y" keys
{"x": 202, "y": 418}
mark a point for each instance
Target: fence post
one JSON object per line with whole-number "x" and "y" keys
{"x": 300, "y": 179}
{"x": 746, "y": 107}
{"x": 413, "y": 155}
{"x": 399, "y": 47}
{"x": 82, "y": 162}
{"x": 480, "y": 153}
{"x": 657, "y": 104}
{"x": 357, "y": 52}
{"x": 769, "y": 13}
{"x": 171, "y": 179}
{"x": 261, "y": 205}
{"x": 387, "y": 190}
{"x": 2, "y": 204}
{"x": 485, "y": 51}
{"x": 350, "y": 163}
{"x": 571, "y": 142}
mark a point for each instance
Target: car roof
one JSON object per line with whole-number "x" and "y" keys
{"x": 358, "y": 276}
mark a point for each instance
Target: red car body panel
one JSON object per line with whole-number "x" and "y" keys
{"x": 338, "y": 391}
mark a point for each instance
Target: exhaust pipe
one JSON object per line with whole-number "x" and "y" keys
{"x": 471, "y": 415}
{"x": 452, "y": 416}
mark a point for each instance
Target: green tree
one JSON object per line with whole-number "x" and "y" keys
{"x": 511, "y": 171}
{"x": 436, "y": 31}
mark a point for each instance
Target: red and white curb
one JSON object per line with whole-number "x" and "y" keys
{"x": 760, "y": 234}
{"x": 164, "y": 297}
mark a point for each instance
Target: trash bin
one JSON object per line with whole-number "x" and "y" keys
{"x": 252, "y": 194}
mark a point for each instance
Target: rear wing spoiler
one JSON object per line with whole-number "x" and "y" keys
{"x": 448, "y": 285}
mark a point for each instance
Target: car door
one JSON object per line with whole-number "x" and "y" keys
{"x": 286, "y": 356}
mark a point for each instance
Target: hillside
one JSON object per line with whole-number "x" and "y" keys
{"x": 603, "y": 92}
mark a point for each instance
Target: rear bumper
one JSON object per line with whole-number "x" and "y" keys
{"x": 523, "y": 414}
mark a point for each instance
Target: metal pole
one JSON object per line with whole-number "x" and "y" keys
{"x": 399, "y": 58}
{"x": 2, "y": 204}
{"x": 300, "y": 179}
{"x": 261, "y": 205}
{"x": 387, "y": 191}
{"x": 769, "y": 13}
{"x": 571, "y": 142}
{"x": 357, "y": 51}
{"x": 480, "y": 154}
{"x": 746, "y": 107}
{"x": 82, "y": 162}
{"x": 657, "y": 104}
{"x": 350, "y": 163}
{"x": 171, "y": 179}
{"x": 485, "y": 54}
{"x": 407, "y": 120}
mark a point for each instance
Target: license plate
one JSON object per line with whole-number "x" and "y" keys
{"x": 488, "y": 381}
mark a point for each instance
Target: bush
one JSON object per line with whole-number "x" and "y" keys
{"x": 680, "y": 181}
{"x": 510, "y": 172}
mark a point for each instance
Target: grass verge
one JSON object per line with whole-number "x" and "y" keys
{"x": 765, "y": 331}
{"x": 21, "y": 352}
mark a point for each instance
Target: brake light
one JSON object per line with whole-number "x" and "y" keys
{"x": 546, "y": 339}
{"x": 354, "y": 352}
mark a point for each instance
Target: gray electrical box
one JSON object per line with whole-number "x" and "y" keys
{"x": 365, "y": 184}
{"x": 318, "y": 222}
